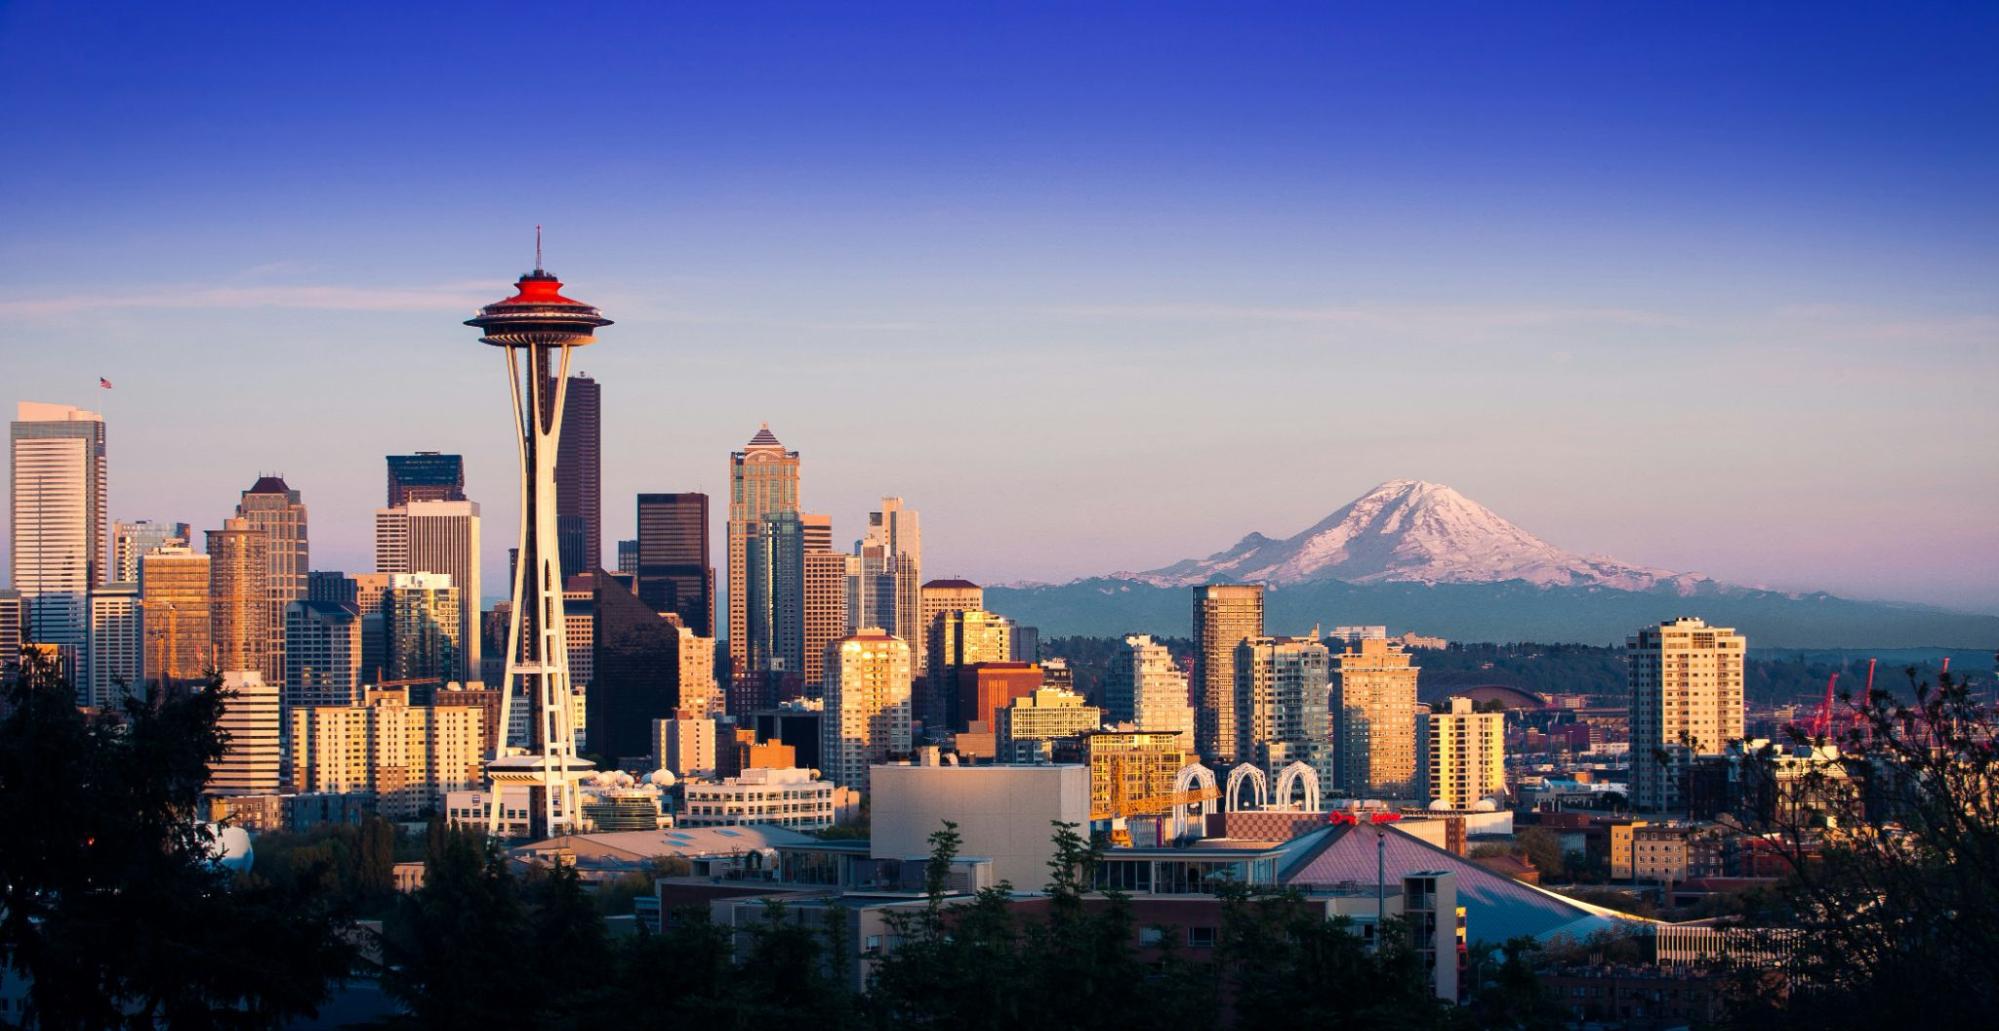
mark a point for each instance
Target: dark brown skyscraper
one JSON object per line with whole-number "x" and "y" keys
{"x": 673, "y": 570}
{"x": 426, "y": 476}
{"x": 579, "y": 478}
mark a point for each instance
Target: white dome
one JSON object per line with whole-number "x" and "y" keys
{"x": 1486, "y": 805}
{"x": 1440, "y": 805}
{"x": 233, "y": 847}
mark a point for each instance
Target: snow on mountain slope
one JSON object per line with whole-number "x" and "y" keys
{"x": 1410, "y": 531}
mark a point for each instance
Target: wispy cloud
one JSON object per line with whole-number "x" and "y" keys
{"x": 1371, "y": 316}
{"x": 438, "y": 297}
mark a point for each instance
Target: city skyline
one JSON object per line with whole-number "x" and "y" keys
{"x": 1701, "y": 275}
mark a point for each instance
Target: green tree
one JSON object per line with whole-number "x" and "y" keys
{"x": 114, "y": 905}
{"x": 955, "y": 969}
{"x": 1285, "y": 964}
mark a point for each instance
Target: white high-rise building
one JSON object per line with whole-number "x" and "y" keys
{"x": 61, "y": 532}
{"x": 867, "y": 718}
{"x": 1686, "y": 700}
{"x": 1148, "y": 690}
{"x": 1467, "y": 754}
{"x": 437, "y": 537}
{"x": 252, "y": 760}
{"x": 116, "y": 656}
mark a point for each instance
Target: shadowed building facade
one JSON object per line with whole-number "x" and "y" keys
{"x": 579, "y": 478}
{"x": 674, "y": 574}
{"x": 637, "y": 670}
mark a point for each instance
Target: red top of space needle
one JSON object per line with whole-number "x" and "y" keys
{"x": 537, "y": 315}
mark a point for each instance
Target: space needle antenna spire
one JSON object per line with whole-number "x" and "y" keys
{"x": 536, "y": 329}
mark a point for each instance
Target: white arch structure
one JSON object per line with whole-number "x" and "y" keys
{"x": 1287, "y": 781}
{"x": 1190, "y": 775}
{"x": 1261, "y": 787}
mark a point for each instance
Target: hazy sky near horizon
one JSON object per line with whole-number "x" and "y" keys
{"x": 1094, "y": 287}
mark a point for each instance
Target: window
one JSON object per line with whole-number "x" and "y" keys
{"x": 1150, "y": 936}
{"x": 1200, "y": 937}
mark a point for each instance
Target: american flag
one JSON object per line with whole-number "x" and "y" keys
{"x": 105, "y": 383}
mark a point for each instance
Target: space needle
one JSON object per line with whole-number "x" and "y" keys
{"x": 537, "y": 328}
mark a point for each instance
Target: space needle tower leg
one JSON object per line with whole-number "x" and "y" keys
{"x": 537, "y": 328}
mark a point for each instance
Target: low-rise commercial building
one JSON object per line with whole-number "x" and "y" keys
{"x": 789, "y": 798}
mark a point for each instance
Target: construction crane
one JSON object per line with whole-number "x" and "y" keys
{"x": 1120, "y": 806}
{"x": 1822, "y": 723}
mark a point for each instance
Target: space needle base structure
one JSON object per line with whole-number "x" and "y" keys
{"x": 537, "y": 328}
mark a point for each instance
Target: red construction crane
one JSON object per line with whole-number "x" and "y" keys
{"x": 1822, "y": 723}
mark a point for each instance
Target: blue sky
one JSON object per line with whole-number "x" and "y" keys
{"x": 1093, "y": 286}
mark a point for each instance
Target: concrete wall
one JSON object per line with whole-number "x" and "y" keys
{"x": 1004, "y": 813}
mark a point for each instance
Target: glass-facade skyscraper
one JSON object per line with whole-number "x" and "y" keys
{"x": 426, "y": 476}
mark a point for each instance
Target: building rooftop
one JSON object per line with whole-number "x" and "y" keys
{"x": 686, "y": 842}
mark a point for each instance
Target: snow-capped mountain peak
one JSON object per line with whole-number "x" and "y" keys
{"x": 1410, "y": 531}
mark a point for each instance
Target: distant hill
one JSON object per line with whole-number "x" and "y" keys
{"x": 1509, "y": 611}
{"x": 1421, "y": 556}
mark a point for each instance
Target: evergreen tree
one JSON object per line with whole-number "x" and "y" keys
{"x": 115, "y": 906}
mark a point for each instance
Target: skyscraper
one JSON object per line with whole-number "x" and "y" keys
{"x": 674, "y": 574}
{"x": 323, "y": 661}
{"x": 437, "y": 537}
{"x": 422, "y": 623}
{"x": 251, "y": 722}
{"x": 1282, "y": 713}
{"x": 1467, "y": 754}
{"x": 1686, "y": 700}
{"x": 775, "y": 588}
{"x": 61, "y": 531}
{"x": 133, "y": 539}
{"x": 239, "y": 570}
{"x": 425, "y": 476}
{"x": 579, "y": 473}
{"x": 277, "y": 511}
{"x": 173, "y": 617}
{"x": 628, "y": 557}
{"x": 825, "y": 604}
{"x": 888, "y": 593}
{"x": 1147, "y": 689}
{"x": 867, "y": 706}
{"x": 1224, "y": 614}
{"x": 763, "y": 478}
{"x": 1374, "y": 710}
{"x": 116, "y": 657}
